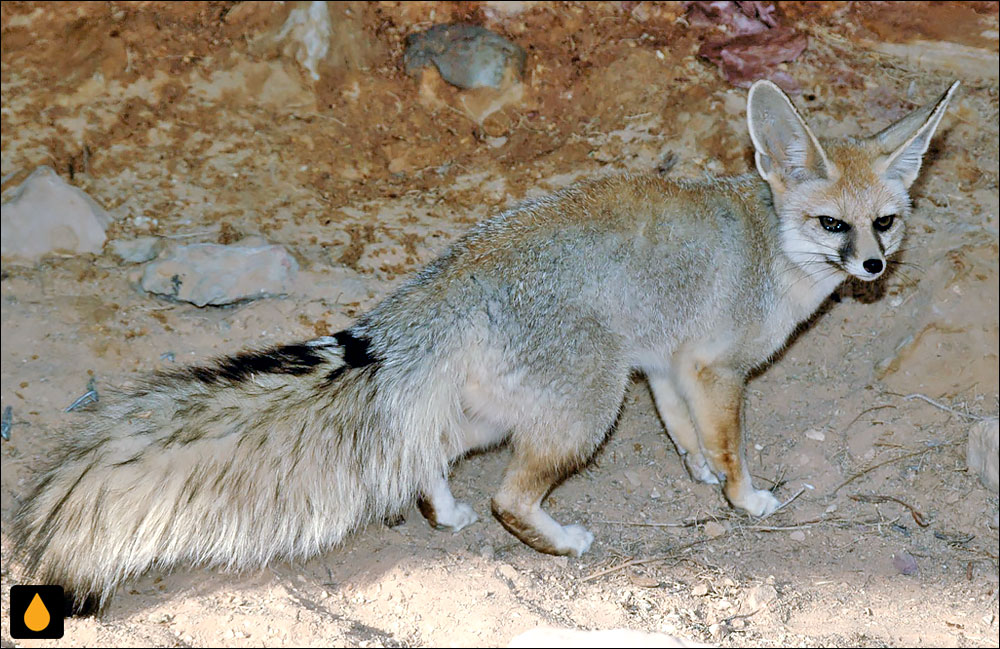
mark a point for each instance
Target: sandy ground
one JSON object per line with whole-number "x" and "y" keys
{"x": 190, "y": 122}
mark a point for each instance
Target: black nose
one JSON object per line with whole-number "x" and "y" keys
{"x": 873, "y": 265}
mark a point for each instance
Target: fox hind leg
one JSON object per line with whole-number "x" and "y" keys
{"x": 542, "y": 456}
{"x": 441, "y": 509}
{"x": 517, "y": 505}
{"x": 436, "y": 501}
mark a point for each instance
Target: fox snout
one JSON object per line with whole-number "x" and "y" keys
{"x": 865, "y": 246}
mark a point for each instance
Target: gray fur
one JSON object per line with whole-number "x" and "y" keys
{"x": 527, "y": 328}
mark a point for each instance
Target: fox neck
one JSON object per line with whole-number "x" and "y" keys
{"x": 804, "y": 277}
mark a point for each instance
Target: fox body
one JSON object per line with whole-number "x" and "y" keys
{"x": 527, "y": 329}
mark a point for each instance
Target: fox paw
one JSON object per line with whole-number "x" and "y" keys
{"x": 757, "y": 502}
{"x": 576, "y": 540}
{"x": 699, "y": 469}
{"x": 460, "y": 516}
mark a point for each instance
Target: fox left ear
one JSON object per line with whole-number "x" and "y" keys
{"x": 786, "y": 151}
{"x": 905, "y": 142}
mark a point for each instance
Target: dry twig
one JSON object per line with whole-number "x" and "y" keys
{"x": 918, "y": 518}
{"x": 890, "y": 461}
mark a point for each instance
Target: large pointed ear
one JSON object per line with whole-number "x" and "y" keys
{"x": 905, "y": 142}
{"x": 787, "y": 152}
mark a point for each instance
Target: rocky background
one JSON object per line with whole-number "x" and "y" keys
{"x": 182, "y": 180}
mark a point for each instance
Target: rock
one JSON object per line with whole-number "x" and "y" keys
{"x": 643, "y": 581}
{"x": 467, "y": 56}
{"x": 137, "y": 251}
{"x": 308, "y": 30}
{"x": 713, "y": 529}
{"x": 214, "y": 274}
{"x": 944, "y": 319}
{"x": 46, "y": 214}
{"x": 508, "y": 7}
{"x": 904, "y": 563}
{"x": 759, "y": 597}
{"x": 746, "y": 41}
{"x": 815, "y": 435}
{"x": 550, "y": 637}
{"x": 508, "y": 572}
{"x": 797, "y": 535}
{"x": 700, "y": 590}
{"x": 982, "y": 455}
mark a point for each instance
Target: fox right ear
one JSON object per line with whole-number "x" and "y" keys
{"x": 905, "y": 142}
{"x": 787, "y": 152}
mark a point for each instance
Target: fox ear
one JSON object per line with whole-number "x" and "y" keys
{"x": 787, "y": 152}
{"x": 904, "y": 143}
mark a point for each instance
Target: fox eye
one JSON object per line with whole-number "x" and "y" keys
{"x": 831, "y": 224}
{"x": 883, "y": 223}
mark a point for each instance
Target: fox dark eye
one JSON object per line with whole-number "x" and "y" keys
{"x": 831, "y": 224}
{"x": 883, "y": 223}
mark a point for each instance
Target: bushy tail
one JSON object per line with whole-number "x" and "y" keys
{"x": 263, "y": 455}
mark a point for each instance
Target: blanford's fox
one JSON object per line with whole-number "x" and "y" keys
{"x": 526, "y": 329}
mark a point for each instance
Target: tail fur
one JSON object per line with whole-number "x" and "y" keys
{"x": 269, "y": 454}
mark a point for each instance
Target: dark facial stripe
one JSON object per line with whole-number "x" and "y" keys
{"x": 878, "y": 240}
{"x": 846, "y": 251}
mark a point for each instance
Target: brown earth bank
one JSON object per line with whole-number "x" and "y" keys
{"x": 196, "y": 122}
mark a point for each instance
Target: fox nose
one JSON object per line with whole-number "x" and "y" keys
{"x": 873, "y": 266}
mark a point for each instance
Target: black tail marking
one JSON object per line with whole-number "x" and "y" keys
{"x": 296, "y": 360}
{"x": 357, "y": 353}
{"x": 76, "y": 606}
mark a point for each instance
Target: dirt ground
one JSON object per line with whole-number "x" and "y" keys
{"x": 192, "y": 122}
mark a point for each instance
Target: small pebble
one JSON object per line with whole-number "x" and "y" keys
{"x": 816, "y": 435}
{"x": 904, "y": 563}
{"x": 714, "y": 529}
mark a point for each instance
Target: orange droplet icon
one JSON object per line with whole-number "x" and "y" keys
{"x": 36, "y": 617}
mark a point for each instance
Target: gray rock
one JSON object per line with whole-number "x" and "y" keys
{"x": 760, "y": 597}
{"x": 213, "y": 274}
{"x": 45, "y": 214}
{"x": 982, "y": 455}
{"x": 467, "y": 56}
{"x": 904, "y": 563}
{"x": 136, "y": 251}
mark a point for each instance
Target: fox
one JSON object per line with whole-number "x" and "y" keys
{"x": 527, "y": 331}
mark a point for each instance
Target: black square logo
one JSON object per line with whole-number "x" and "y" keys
{"x": 36, "y": 612}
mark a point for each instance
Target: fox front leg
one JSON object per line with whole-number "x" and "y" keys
{"x": 714, "y": 396}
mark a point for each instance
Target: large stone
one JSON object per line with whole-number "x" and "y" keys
{"x": 212, "y": 274}
{"x": 467, "y": 56}
{"x": 45, "y": 214}
{"x": 982, "y": 454}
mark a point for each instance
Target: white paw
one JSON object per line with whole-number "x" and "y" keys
{"x": 461, "y": 515}
{"x": 758, "y": 502}
{"x": 699, "y": 469}
{"x": 576, "y": 540}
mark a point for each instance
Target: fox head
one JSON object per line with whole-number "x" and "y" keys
{"x": 841, "y": 204}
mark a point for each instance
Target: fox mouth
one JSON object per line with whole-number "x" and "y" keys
{"x": 858, "y": 270}
{"x": 866, "y": 271}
